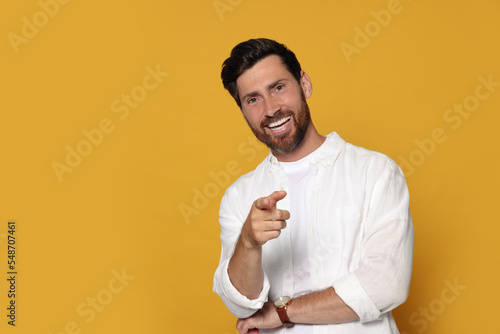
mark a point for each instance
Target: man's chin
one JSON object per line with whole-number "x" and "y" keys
{"x": 282, "y": 145}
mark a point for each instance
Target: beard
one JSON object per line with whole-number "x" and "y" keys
{"x": 286, "y": 142}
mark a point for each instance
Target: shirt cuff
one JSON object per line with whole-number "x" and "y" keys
{"x": 238, "y": 304}
{"x": 350, "y": 290}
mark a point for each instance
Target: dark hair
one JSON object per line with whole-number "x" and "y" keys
{"x": 247, "y": 54}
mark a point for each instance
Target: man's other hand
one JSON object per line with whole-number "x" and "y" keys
{"x": 267, "y": 317}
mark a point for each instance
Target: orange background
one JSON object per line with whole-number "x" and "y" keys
{"x": 125, "y": 238}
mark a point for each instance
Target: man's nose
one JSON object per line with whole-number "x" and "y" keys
{"x": 271, "y": 106}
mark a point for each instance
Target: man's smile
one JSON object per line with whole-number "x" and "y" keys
{"x": 279, "y": 125}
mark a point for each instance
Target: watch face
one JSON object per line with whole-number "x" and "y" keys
{"x": 282, "y": 301}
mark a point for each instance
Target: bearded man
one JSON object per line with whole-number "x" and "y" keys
{"x": 319, "y": 237}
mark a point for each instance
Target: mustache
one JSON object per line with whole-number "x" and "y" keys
{"x": 277, "y": 116}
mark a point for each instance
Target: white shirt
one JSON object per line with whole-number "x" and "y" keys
{"x": 359, "y": 235}
{"x": 297, "y": 173}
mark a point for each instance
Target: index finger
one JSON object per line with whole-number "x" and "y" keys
{"x": 269, "y": 202}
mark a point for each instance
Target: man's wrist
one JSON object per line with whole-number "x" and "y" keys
{"x": 248, "y": 243}
{"x": 281, "y": 304}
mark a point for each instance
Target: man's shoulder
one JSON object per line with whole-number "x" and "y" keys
{"x": 357, "y": 157}
{"x": 362, "y": 153}
{"x": 336, "y": 143}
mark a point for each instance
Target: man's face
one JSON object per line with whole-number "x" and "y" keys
{"x": 274, "y": 104}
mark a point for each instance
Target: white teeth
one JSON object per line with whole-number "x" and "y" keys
{"x": 278, "y": 123}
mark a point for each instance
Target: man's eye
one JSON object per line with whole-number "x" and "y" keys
{"x": 279, "y": 88}
{"x": 251, "y": 100}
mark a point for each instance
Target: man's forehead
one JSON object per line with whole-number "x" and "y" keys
{"x": 263, "y": 73}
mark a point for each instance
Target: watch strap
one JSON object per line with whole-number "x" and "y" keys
{"x": 284, "y": 316}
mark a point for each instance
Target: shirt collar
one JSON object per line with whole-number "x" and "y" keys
{"x": 327, "y": 153}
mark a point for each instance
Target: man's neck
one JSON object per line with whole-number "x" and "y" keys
{"x": 311, "y": 142}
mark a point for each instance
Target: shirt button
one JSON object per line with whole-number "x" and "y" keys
{"x": 281, "y": 188}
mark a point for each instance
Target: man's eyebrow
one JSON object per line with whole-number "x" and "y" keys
{"x": 276, "y": 82}
{"x": 248, "y": 95}
{"x": 271, "y": 85}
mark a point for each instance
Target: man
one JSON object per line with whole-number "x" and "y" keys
{"x": 318, "y": 238}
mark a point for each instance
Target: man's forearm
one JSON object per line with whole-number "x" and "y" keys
{"x": 264, "y": 222}
{"x": 245, "y": 270}
{"x": 321, "y": 307}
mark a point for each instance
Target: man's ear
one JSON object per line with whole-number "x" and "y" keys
{"x": 306, "y": 84}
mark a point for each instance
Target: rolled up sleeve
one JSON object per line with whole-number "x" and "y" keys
{"x": 239, "y": 305}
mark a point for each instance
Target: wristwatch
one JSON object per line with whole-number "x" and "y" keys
{"x": 281, "y": 304}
